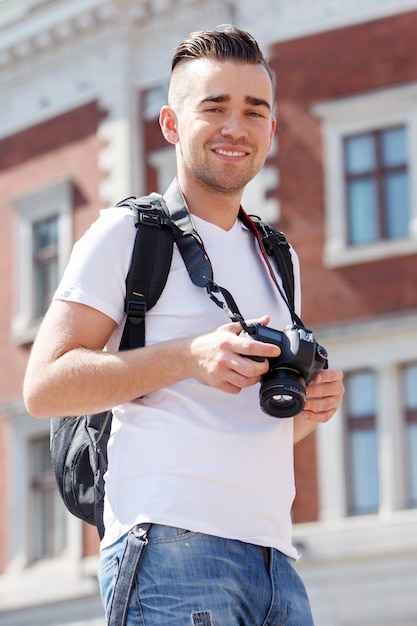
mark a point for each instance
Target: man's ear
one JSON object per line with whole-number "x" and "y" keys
{"x": 273, "y": 129}
{"x": 168, "y": 124}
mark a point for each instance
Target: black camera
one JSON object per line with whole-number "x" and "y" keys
{"x": 283, "y": 387}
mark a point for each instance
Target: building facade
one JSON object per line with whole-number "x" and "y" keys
{"x": 81, "y": 84}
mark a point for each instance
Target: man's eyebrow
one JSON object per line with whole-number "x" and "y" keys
{"x": 251, "y": 100}
{"x": 257, "y": 102}
{"x": 218, "y": 99}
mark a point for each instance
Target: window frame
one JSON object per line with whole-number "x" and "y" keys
{"x": 24, "y": 430}
{"x": 45, "y": 259}
{"x": 353, "y": 424}
{"x": 409, "y": 418}
{"x": 65, "y": 576}
{"x": 54, "y": 200}
{"x": 379, "y": 174}
{"x": 374, "y": 111}
{"x": 48, "y": 539}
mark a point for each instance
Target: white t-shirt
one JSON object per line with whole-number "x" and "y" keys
{"x": 189, "y": 455}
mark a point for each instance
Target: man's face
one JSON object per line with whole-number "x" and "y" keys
{"x": 223, "y": 122}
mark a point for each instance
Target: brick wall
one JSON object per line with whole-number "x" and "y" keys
{"x": 306, "y": 504}
{"x": 4, "y": 494}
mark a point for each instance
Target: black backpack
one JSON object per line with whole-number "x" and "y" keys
{"x": 79, "y": 444}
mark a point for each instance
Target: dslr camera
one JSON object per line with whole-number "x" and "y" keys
{"x": 283, "y": 387}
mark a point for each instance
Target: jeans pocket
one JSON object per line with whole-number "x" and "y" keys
{"x": 107, "y": 575}
{"x": 159, "y": 534}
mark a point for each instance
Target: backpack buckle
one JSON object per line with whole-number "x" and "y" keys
{"x": 135, "y": 311}
{"x": 150, "y": 219}
{"x": 273, "y": 240}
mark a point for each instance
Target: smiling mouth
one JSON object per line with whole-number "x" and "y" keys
{"x": 231, "y": 153}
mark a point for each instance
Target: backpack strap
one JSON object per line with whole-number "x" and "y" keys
{"x": 149, "y": 267}
{"x": 189, "y": 242}
{"x": 159, "y": 222}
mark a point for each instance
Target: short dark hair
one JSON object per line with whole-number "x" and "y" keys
{"x": 226, "y": 42}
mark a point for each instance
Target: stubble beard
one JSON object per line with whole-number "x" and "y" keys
{"x": 221, "y": 184}
{"x": 227, "y": 181}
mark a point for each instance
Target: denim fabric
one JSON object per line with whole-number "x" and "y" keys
{"x": 192, "y": 579}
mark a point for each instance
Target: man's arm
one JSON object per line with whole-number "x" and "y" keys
{"x": 324, "y": 395}
{"x": 69, "y": 374}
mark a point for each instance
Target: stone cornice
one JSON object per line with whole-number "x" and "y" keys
{"x": 49, "y": 26}
{"x": 45, "y": 29}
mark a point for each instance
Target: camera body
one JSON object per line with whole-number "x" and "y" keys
{"x": 283, "y": 387}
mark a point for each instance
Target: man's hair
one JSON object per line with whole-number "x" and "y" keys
{"x": 224, "y": 43}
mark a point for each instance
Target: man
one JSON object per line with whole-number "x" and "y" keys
{"x": 191, "y": 452}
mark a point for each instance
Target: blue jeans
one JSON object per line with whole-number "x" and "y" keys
{"x": 193, "y": 579}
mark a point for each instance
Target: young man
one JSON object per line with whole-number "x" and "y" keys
{"x": 191, "y": 452}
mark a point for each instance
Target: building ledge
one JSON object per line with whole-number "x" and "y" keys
{"x": 354, "y": 538}
{"x": 49, "y": 581}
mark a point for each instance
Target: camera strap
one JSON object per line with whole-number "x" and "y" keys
{"x": 228, "y": 304}
{"x": 197, "y": 261}
{"x": 194, "y": 254}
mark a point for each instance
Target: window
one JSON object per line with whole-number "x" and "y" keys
{"x": 48, "y": 517}
{"x": 46, "y": 560}
{"x": 377, "y": 185}
{"x": 362, "y": 452}
{"x": 45, "y": 263}
{"x": 410, "y": 402}
{"x": 367, "y": 454}
{"x": 370, "y": 175}
{"x": 44, "y": 241}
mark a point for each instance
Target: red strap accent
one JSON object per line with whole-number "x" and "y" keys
{"x": 246, "y": 220}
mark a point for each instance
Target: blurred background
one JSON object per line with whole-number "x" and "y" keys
{"x": 81, "y": 86}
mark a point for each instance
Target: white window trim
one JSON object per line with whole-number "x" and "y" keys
{"x": 164, "y": 162}
{"x": 360, "y": 114}
{"x": 55, "y": 199}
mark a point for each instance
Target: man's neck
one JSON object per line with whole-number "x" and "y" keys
{"x": 211, "y": 205}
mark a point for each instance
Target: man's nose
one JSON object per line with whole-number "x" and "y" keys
{"x": 234, "y": 126}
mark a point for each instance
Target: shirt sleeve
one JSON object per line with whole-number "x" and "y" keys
{"x": 99, "y": 262}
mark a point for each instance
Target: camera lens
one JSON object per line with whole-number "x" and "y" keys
{"x": 282, "y": 393}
